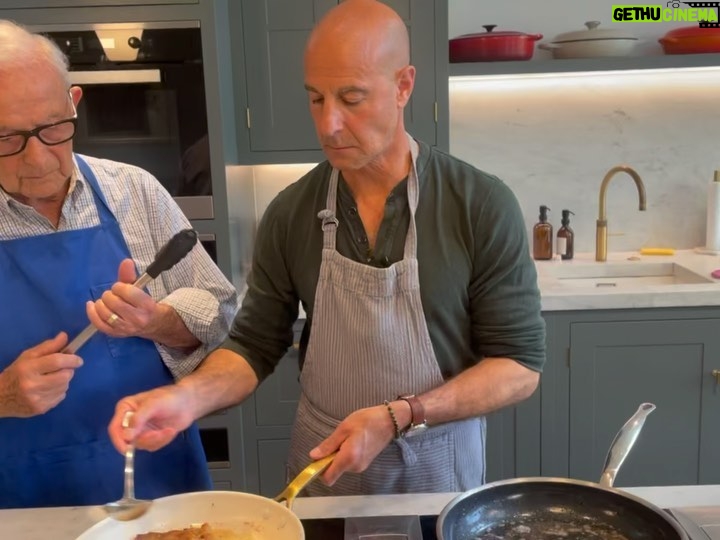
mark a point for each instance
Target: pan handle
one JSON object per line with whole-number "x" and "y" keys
{"x": 623, "y": 442}
{"x": 305, "y": 476}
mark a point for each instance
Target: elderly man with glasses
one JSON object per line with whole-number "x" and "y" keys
{"x": 74, "y": 232}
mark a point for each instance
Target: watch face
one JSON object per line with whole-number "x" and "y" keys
{"x": 415, "y": 429}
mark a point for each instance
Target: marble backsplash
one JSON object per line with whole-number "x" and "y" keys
{"x": 552, "y": 139}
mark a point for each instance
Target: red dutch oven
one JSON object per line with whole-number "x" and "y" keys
{"x": 691, "y": 40}
{"x": 492, "y": 46}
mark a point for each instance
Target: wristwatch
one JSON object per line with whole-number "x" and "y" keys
{"x": 418, "y": 423}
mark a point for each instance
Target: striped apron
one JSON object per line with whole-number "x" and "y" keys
{"x": 369, "y": 343}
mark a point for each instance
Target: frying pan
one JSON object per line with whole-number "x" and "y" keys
{"x": 534, "y": 508}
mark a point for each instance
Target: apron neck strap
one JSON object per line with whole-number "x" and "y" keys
{"x": 104, "y": 212}
{"x": 413, "y": 193}
{"x": 330, "y": 222}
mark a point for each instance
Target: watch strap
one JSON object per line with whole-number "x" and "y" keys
{"x": 417, "y": 410}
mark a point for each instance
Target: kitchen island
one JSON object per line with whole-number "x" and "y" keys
{"x": 68, "y": 523}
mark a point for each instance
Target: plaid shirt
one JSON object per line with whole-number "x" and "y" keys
{"x": 148, "y": 218}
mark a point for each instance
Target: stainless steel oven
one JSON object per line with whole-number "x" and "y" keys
{"x": 144, "y": 102}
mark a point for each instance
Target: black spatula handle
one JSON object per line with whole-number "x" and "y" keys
{"x": 172, "y": 252}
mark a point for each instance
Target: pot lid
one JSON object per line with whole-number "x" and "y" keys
{"x": 491, "y": 33}
{"x": 691, "y": 31}
{"x": 593, "y": 33}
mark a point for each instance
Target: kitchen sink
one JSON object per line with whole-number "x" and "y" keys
{"x": 625, "y": 274}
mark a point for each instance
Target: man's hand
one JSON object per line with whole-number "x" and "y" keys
{"x": 358, "y": 439}
{"x": 126, "y": 311}
{"x": 133, "y": 311}
{"x": 38, "y": 379}
{"x": 159, "y": 415}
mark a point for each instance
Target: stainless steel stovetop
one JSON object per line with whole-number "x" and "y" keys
{"x": 700, "y": 522}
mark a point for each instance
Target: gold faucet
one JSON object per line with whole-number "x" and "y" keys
{"x": 601, "y": 230}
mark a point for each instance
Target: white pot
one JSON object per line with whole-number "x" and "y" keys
{"x": 591, "y": 43}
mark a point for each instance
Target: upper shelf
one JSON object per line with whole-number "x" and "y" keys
{"x": 584, "y": 64}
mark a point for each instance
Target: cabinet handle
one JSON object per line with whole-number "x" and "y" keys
{"x": 716, "y": 374}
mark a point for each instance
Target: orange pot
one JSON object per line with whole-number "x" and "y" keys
{"x": 691, "y": 40}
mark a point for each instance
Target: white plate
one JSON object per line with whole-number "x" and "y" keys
{"x": 240, "y": 512}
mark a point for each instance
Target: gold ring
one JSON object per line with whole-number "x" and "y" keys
{"x": 112, "y": 318}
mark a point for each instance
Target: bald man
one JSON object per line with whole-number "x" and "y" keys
{"x": 423, "y": 312}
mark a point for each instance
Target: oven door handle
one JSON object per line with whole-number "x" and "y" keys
{"x": 122, "y": 76}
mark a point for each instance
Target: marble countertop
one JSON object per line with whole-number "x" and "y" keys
{"x": 561, "y": 294}
{"x": 69, "y": 523}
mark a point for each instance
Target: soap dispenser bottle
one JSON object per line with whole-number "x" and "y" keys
{"x": 565, "y": 237}
{"x": 543, "y": 237}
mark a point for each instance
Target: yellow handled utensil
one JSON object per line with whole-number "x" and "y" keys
{"x": 306, "y": 476}
{"x": 657, "y": 251}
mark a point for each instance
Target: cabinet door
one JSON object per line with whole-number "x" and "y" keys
{"x": 275, "y": 32}
{"x": 268, "y": 418}
{"x": 513, "y": 441}
{"x": 222, "y": 440}
{"x": 420, "y": 18}
{"x": 616, "y": 366}
{"x": 278, "y": 116}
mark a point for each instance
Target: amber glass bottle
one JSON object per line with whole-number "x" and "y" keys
{"x": 565, "y": 237}
{"x": 543, "y": 237}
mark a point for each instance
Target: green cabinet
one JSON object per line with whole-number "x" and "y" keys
{"x": 273, "y": 118}
{"x": 513, "y": 441}
{"x": 268, "y": 417}
{"x": 604, "y": 364}
{"x": 615, "y": 366}
{"x": 601, "y": 366}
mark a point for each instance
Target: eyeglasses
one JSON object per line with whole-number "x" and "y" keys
{"x": 49, "y": 134}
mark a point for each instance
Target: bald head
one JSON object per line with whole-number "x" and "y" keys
{"x": 359, "y": 80}
{"x": 365, "y": 29}
{"x": 22, "y": 52}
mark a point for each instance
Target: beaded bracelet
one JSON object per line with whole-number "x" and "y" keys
{"x": 392, "y": 417}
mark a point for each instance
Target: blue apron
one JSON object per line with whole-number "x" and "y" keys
{"x": 64, "y": 457}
